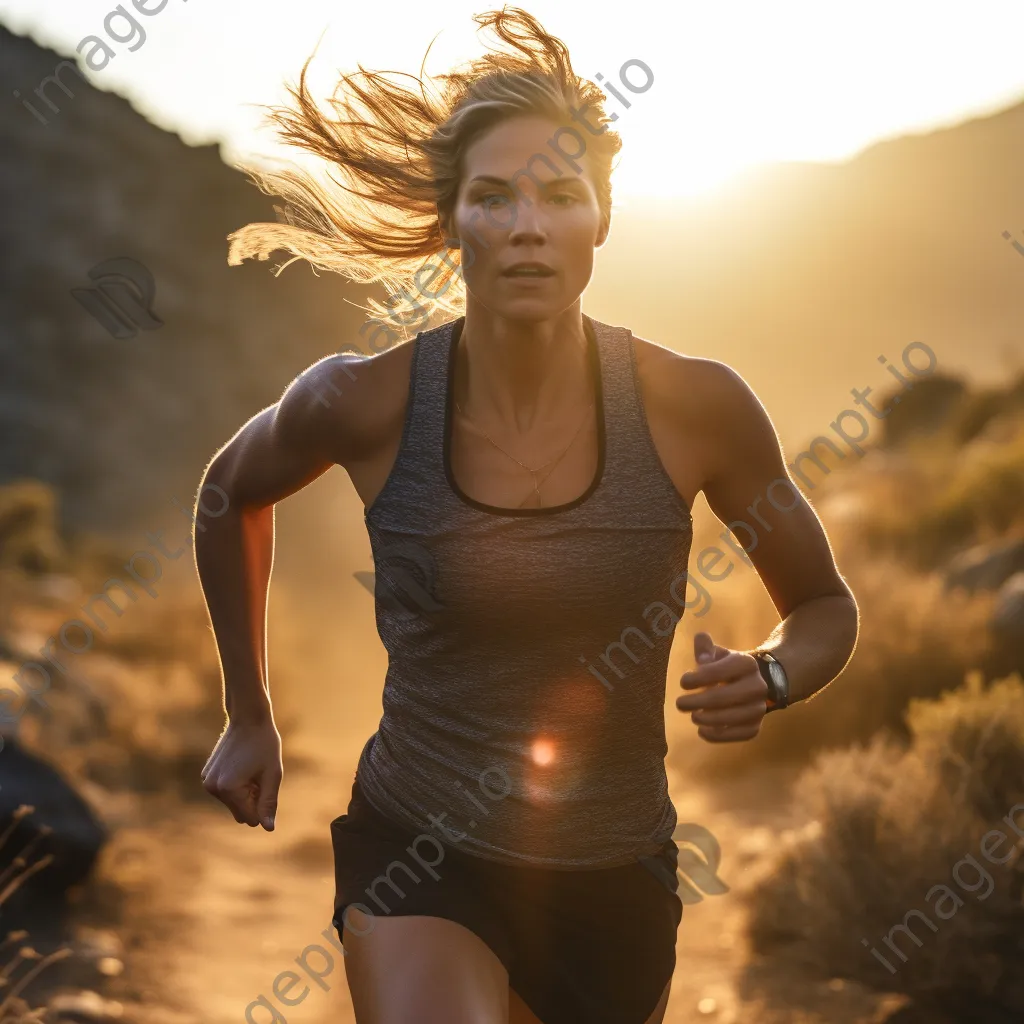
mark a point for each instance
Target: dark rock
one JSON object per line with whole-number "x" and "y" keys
{"x": 1007, "y": 621}
{"x": 61, "y": 826}
{"x": 986, "y": 566}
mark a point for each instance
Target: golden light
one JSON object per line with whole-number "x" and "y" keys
{"x": 543, "y": 752}
{"x": 731, "y": 86}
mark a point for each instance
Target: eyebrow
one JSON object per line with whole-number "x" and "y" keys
{"x": 492, "y": 180}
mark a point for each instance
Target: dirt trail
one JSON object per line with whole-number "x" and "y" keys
{"x": 215, "y": 911}
{"x": 219, "y": 910}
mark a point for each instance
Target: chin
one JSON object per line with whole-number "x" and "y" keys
{"x": 530, "y": 309}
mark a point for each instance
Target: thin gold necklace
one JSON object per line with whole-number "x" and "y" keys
{"x": 532, "y": 472}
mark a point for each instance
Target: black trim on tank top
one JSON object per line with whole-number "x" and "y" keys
{"x": 497, "y": 510}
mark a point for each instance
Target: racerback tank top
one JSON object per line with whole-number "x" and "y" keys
{"x": 524, "y": 703}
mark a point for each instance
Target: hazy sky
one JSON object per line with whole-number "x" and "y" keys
{"x": 734, "y": 83}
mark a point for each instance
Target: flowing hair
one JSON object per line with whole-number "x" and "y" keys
{"x": 400, "y": 154}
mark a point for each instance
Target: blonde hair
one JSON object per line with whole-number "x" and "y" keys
{"x": 401, "y": 153}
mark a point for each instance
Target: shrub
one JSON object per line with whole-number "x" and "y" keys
{"x": 29, "y": 531}
{"x": 958, "y": 496}
{"x": 888, "y": 826}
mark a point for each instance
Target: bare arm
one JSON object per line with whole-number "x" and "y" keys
{"x": 785, "y": 541}
{"x": 747, "y": 482}
{"x": 278, "y": 452}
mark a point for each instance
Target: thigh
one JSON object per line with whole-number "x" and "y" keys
{"x": 427, "y": 969}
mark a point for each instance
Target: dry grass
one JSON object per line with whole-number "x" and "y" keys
{"x": 958, "y": 495}
{"x": 130, "y": 718}
{"x": 26, "y": 964}
{"x": 888, "y": 825}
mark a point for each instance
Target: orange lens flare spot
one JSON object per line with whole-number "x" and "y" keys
{"x": 543, "y": 752}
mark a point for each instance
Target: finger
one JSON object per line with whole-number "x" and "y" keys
{"x": 241, "y": 802}
{"x": 270, "y": 785}
{"x": 741, "y": 714}
{"x": 733, "y": 666}
{"x": 720, "y": 652}
{"x": 703, "y": 648}
{"x": 731, "y": 734}
{"x": 750, "y": 689}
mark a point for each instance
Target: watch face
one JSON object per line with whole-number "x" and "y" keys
{"x": 780, "y": 684}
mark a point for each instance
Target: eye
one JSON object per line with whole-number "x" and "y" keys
{"x": 565, "y": 195}
{"x": 486, "y": 199}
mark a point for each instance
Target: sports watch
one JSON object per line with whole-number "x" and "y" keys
{"x": 775, "y": 676}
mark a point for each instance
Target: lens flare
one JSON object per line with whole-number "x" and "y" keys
{"x": 543, "y": 752}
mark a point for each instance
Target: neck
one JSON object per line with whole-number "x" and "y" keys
{"x": 516, "y": 375}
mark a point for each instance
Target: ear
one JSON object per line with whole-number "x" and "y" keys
{"x": 603, "y": 230}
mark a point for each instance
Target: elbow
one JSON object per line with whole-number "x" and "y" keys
{"x": 217, "y": 493}
{"x": 216, "y": 502}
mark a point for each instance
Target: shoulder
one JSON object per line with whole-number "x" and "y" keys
{"x": 349, "y": 404}
{"x": 706, "y": 403}
{"x": 692, "y": 389}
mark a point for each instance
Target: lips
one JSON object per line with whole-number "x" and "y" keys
{"x": 528, "y": 269}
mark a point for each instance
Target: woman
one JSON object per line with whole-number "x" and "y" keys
{"x": 527, "y": 474}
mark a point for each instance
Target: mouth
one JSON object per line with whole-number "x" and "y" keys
{"x": 529, "y": 270}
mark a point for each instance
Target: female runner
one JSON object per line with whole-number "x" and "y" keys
{"x": 527, "y": 474}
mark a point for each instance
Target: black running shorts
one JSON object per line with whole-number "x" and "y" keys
{"x": 594, "y": 946}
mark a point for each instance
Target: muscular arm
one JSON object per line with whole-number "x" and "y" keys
{"x": 278, "y": 452}
{"x": 749, "y": 488}
{"x": 275, "y": 454}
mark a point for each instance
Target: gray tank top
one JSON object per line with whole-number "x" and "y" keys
{"x": 524, "y": 704}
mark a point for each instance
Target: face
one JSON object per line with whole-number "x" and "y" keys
{"x": 515, "y": 207}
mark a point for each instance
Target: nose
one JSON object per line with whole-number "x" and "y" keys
{"x": 528, "y": 224}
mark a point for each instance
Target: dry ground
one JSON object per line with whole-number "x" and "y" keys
{"x": 216, "y": 910}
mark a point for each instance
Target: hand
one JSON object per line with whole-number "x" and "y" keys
{"x": 736, "y": 698}
{"x": 244, "y": 772}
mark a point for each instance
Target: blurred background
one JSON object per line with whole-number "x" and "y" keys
{"x": 804, "y": 191}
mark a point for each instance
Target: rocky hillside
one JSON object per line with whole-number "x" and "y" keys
{"x": 121, "y": 424}
{"x": 798, "y": 276}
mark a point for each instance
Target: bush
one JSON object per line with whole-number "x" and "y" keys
{"x": 29, "y": 530}
{"x": 889, "y": 826}
{"x": 959, "y": 496}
